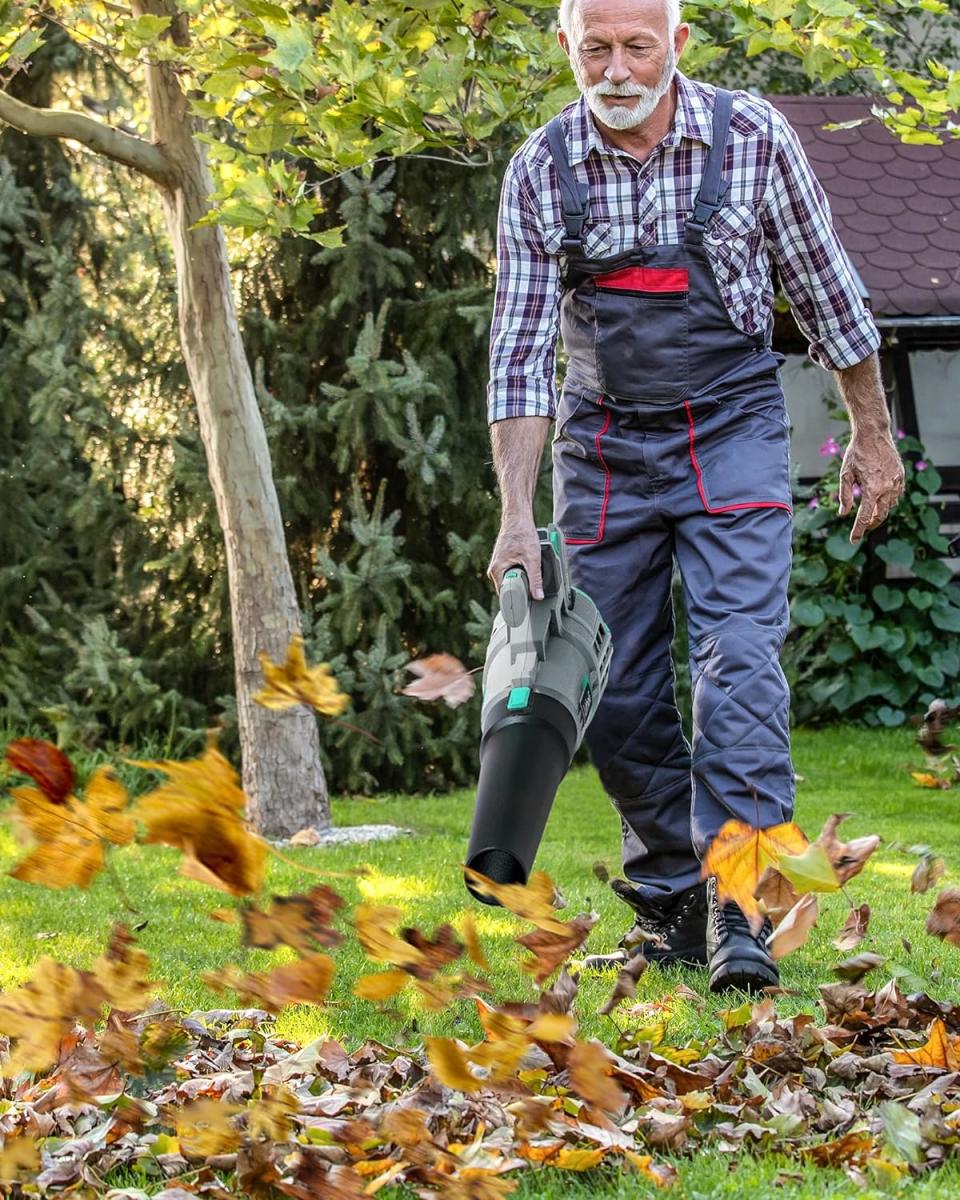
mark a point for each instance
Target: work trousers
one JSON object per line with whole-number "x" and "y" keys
{"x": 705, "y": 484}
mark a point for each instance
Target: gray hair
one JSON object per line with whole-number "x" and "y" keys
{"x": 565, "y": 15}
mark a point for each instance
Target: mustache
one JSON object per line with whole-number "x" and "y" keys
{"x": 619, "y": 89}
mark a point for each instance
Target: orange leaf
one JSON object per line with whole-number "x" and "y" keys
{"x": 305, "y": 981}
{"x": 472, "y": 940}
{"x": 449, "y": 1064}
{"x": 551, "y": 948}
{"x": 926, "y": 780}
{"x": 738, "y": 857}
{"x": 944, "y": 919}
{"x": 442, "y": 677}
{"x": 294, "y": 682}
{"x": 939, "y": 1050}
{"x": 590, "y": 1069}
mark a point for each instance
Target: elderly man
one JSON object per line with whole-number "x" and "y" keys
{"x": 643, "y": 222}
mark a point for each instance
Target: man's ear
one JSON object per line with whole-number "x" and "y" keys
{"x": 564, "y": 42}
{"x": 680, "y": 36}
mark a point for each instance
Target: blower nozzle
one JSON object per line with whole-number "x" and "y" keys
{"x": 546, "y": 668}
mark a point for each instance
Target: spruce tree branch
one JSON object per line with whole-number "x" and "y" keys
{"x": 103, "y": 139}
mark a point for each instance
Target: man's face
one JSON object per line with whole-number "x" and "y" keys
{"x": 623, "y": 57}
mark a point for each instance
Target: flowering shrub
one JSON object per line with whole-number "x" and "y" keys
{"x": 875, "y": 628}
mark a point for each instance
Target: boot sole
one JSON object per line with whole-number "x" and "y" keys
{"x": 744, "y": 975}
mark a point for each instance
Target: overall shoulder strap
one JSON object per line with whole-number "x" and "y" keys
{"x": 713, "y": 188}
{"x": 574, "y": 196}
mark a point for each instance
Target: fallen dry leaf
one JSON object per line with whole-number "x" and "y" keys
{"x": 472, "y": 941}
{"x": 200, "y": 811}
{"x": 591, "y": 1069}
{"x": 854, "y": 928}
{"x": 739, "y": 855}
{"x": 533, "y": 900}
{"x": 305, "y": 981}
{"x": 926, "y": 780}
{"x": 775, "y": 894}
{"x": 794, "y": 929}
{"x": 551, "y": 948}
{"x": 926, "y": 873}
{"x": 293, "y": 682}
{"x": 625, "y": 986}
{"x": 939, "y": 1050}
{"x": 938, "y": 716}
{"x": 944, "y": 919}
{"x": 848, "y": 858}
{"x": 442, "y": 677}
{"x": 47, "y": 766}
{"x": 302, "y": 922}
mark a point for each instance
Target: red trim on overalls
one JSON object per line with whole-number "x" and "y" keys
{"x": 700, "y": 488}
{"x": 646, "y": 279}
{"x": 606, "y": 487}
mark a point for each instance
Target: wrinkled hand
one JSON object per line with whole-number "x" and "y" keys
{"x": 875, "y": 465}
{"x": 517, "y": 545}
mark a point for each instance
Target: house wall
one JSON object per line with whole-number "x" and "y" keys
{"x": 936, "y": 394}
{"x": 807, "y": 389}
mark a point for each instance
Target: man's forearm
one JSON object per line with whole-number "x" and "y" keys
{"x": 518, "y": 444}
{"x": 861, "y": 387}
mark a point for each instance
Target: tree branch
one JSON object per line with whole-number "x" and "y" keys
{"x": 125, "y": 148}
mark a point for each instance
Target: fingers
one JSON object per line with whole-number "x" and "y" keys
{"x": 517, "y": 545}
{"x": 847, "y": 481}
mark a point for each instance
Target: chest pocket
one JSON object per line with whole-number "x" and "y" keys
{"x": 731, "y": 241}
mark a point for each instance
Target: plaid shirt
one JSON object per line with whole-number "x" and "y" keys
{"x": 776, "y": 212}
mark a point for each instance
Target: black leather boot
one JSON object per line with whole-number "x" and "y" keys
{"x": 663, "y": 933}
{"x": 738, "y": 957}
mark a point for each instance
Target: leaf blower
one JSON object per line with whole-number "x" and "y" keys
{"x": 546, "y": 668}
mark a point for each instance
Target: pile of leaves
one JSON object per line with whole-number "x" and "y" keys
{"x": 100, "y": 1080}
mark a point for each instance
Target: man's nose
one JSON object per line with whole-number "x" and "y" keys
{"x": 618, "y": 71}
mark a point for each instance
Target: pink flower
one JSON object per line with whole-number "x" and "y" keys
{"x": 856, "y": 491}
{"x": 901, "y": 433}
{"x": 920, "y": 465}
{"x": 830, "y": 448}
{"x": 813, "y": 502}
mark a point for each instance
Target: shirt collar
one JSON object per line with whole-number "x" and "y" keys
{"x": 693, "y": 119}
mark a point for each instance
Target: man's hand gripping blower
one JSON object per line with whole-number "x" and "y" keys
{"x": 545, "y": 671}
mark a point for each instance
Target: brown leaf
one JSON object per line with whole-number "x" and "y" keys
{"x": 205, "y": 1127}
{"x": 302, "y": 922}
{"x": 551, "y": 948}
{"x": 42, "y": 1011}
{"x": 938, "y": 716}
{"x": 303, "y": 982}
{"x": 926, "y": 873}
{"x": 853, "y": 969}
{"x": 200, "y": 811}
{"x": 306, "y": 837}
{"x": 925, "y": 780}
{"x": 944, "y": 919}
{"x": 625, "y": 987}
{"x": 48, "y": 767}
{"x": 848, "y": 858}
{"x": 121, "y": 973}
{"x": 442, "y": 677}
{"x": 775, "y": 894}
{"x": 660, "y": 1174}
{"x": 294, "y": 682}
{"x": 601, "y": 871}
{"x": 794, "y": 929}
{"x": 438, "y": 952}
{"x": 590, "y": 1069}
{"x": 739, "y": 855}
{"x": 853, "y": 929}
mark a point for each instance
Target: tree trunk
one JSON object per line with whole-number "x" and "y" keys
{"x": 282, "y": 773}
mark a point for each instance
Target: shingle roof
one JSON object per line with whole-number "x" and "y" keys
{"x": 896, "y": 207}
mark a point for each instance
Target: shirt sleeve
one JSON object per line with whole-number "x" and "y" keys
{"x": 817, "y": 276}
{"x": 526, "y": 309}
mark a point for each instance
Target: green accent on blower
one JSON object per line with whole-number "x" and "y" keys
{"x": 555, "y": 540}
{"x": 511, "y": 575}
{"x": 519, "y": 698}
{"x": 585, "y": 682}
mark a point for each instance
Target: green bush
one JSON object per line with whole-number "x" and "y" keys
{"x": 875, "y": 629}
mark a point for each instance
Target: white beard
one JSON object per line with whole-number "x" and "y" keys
{"x": 622, "y": 116}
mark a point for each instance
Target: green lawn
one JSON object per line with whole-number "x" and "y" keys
{"x": 864, "y": 773}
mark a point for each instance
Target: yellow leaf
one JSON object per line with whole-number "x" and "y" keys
{"x": 811, "y": 871}
{"x": 383, "y": 985}
{"x": 570, "y": 1159}
{"x": 533, "y": 901}
{"x": 738, "y": 857}
{"x": 450, "y": 1066}
{"x": 294, "y": 682}
{"x": 939, "y": 1050}
{"x": 552, "y": 1027}
{"x": 472, "y": 941}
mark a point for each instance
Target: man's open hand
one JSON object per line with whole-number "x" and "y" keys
{"x": 873, "y": 463}
{"x": 517, "y": 545}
